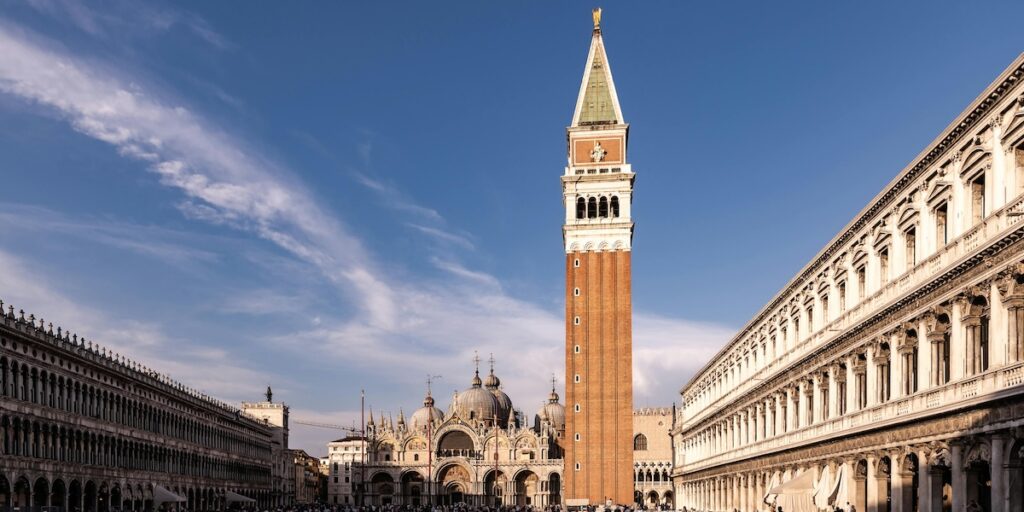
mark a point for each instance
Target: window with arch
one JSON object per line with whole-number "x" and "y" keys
{"x": 592, "y": 208}
{"x": 581, "y": 208}
{"x": 602, "y": 207}
{"x": 640, "y": 443}
{"x": 615, "y": 206}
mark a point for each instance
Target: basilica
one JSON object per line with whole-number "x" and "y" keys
{"x": 482, "y": 450}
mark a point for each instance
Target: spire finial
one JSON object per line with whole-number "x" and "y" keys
{"x": 553, "y": 383}
{"x": 491, "y": 360}
{"x": 596, "y": 13}
{"x": 476, "y": 361}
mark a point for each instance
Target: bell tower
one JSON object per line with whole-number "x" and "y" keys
{"x": 597, "y": 191}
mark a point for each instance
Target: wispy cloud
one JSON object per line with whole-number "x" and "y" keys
{"x": 395, "y": 199}
{"x": 123, "y": 17}
{"x": 171, "y": 247}
{"x": 460, "y": 241}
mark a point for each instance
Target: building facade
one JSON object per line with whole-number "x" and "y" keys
{"x": 346, "y": 458}
{"x": 888, "y": 373}
{"x": 86, "y": 429}
{"x": 652, "y": 457}
{"x": 276, "y": 415}
{"x": 597, "y": 189}
{"x": 306, "y": 471}
{"x": 482, "y": 451}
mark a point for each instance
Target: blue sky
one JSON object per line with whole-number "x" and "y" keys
{"x": 326, "y": 197}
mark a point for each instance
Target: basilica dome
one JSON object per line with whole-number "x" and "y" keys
{"x": 493, "y": 383}
{"x": 419, "y": 419}
{"x": 477, "y": 403}
{"x": 552, "y": 412}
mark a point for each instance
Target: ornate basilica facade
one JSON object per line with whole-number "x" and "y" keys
{"x": 481, "y": 451}
{"x": 888, "y": 375}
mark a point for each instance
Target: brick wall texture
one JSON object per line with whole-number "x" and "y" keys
{"x": 604, "y": 365}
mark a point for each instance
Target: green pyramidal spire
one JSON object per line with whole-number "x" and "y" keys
{"x": 597, "y": 103}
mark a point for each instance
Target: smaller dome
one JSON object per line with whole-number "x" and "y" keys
{"x": 492, "y": 381}
{"x": 552, "y": 412}
{"x": 426, "y": 414}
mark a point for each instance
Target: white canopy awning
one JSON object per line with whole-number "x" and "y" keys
{"x": 231, "y": 497}
{"x": 796, "y": 494}
{"x": 162, "y": 495}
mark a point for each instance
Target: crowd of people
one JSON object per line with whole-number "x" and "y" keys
{"x": 460, "y": 507}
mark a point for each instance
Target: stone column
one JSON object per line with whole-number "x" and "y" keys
{"x": 957, "y": 346}
{"x": 872, "y": 495}
{"x": 924, "y": 354}
{"x": 833, "y": 390}
{"x": 801, "y": 407}
{"x": 998, "y": 473}
{"x": 924, "y": 483}
{"x": 871, "y": 377}
{"x": 896, "y": 481}
{"x": 779, "y": 415}
{"x": 815, "y": 416}
{"x": 895, "y": 368}
{"x": 851, "y": 384}
{"x": 959, "y": 478}
{"x": 790, "y": 410}
{"x": 758, "y": 424}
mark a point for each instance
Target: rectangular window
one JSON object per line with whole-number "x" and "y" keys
{"x": 941, "y": 226}
{"x": 824, "y": 403}
{"x": 862, "y": 390}
{"x": 810, "y": 320}
{"x": 841, "y": 398}
{"x": 883, "y": 382}
{"x": 824, "y": 309}
{"x": 883, "y": 265}
{"x": 576, "y": 378}
{"x": 576, "y": 349}
{"x": 910, "y": 237}
{"x": 841, "y": 289}
{"x": 978, "y": 199}
{"x": 862, "y": 282}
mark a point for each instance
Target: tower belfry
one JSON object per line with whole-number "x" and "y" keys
{"x": 597, "y": 192}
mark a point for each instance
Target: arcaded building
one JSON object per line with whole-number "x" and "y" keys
{"x": 86, "y": 429}
{"x": 481, "y": 451}
{"x": 888, "y": 375}
{"x": 597, "y": 191}
{"x": 652, "y": 457}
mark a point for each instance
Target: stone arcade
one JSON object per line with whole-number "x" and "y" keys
{"x": 890, "y": 368}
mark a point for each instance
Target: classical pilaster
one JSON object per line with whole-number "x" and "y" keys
{"x": 958, "y": 477}
{"x": 957, "y": 345}
{"x": 998, "y": 473}
{"x": 851, "y": 384}
{"x": 833, "y": 390}
{"x": 872, "y": 377}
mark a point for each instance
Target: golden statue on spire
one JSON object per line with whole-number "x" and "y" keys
{"x": 596, "y": 13}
